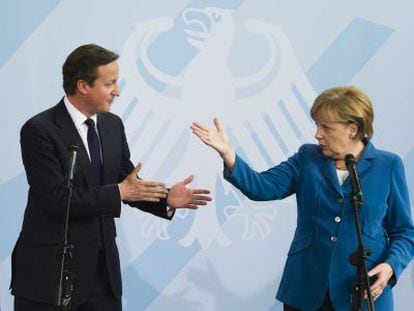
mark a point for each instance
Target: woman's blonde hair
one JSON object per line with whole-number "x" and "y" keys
{"x": 346, "y": 104}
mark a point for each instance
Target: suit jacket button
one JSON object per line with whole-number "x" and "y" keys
{"x": 340, "y": 200}
{"x": 333, "y": 238}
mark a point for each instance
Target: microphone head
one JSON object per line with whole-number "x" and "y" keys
{"x": 350, "y": 159}
{"x": 72, "y": 147}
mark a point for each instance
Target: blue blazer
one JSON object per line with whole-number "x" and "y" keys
{"x": 318, "y": 258}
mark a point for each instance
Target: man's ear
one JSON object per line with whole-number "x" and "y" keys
{"x": 82, "y": 86}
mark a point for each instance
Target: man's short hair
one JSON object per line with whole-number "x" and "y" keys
{"x": 82, "y": 64}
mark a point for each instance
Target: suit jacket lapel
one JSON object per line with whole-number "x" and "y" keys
{"x": 70, "y": 135}
{"x": 331, "y": 175}
{"x": 108, "y": 155}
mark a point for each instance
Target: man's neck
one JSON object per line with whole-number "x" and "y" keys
{"x": 78, "y": 103}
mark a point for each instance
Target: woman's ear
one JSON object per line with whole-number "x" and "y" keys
{"x": 353, "y": 130}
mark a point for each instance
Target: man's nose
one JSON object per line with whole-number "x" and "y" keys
{"x": 116, "y": 91}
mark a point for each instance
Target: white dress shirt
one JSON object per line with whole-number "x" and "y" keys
{"x": 79, "y": 119}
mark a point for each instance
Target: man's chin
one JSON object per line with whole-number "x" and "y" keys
{"x": 105, "y": 108}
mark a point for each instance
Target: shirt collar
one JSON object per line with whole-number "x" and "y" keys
{"x": 78, "y": 117}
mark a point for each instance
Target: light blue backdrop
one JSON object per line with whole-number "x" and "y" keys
{"x": 258, "y": 66}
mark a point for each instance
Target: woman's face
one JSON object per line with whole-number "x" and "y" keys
{"x": 335, "y": 138}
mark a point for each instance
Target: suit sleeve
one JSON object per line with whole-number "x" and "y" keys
{"x": 156, "y": 208}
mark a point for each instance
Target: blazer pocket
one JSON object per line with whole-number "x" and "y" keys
{"x": 299, "y": 244}
{"x": 375, "y": 240}
{"x": 374, "y": 232}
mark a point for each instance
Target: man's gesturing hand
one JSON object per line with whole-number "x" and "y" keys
{"x": 180, "y": 196}
{"x": 133, "y": 189}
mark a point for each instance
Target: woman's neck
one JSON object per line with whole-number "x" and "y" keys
{"x": 357, "y": 150}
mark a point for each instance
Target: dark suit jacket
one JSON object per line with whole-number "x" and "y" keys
{"x": 35, "y": 259}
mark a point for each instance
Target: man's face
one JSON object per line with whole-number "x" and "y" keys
{"x": 101, "y": 94}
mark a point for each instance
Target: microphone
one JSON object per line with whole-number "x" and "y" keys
{"x": 72, "y": 154}
{"x": 350, "y": 163}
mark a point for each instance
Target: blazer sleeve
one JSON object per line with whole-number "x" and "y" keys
{"x": 398, "y": 222}
{"x": 277, "y": 182}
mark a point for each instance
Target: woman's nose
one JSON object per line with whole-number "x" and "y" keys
{"x": 318, "y": 133}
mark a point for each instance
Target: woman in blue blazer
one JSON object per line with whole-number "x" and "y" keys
{"x": 318, "y": 274}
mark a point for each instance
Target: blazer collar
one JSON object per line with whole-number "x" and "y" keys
{"x": 366, "y": 158}
{"x": 67, "y": 128}
{"x": 363, "y": 164}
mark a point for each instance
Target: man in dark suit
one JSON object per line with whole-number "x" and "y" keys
{"x": 104, "y": 176}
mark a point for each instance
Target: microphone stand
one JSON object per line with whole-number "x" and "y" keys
{"x": 65, "y": 287}
{"x": 358, "y": 258}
